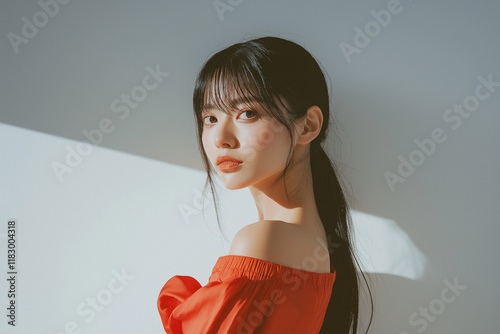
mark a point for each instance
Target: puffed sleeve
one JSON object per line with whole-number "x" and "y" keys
{"x": 238, "y": 306}
{"x": 174, "y": 293}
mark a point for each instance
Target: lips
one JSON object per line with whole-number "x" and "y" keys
{"x": 224, "y": 158}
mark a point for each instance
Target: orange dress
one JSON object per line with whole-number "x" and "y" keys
{"x": 247, "y": 295}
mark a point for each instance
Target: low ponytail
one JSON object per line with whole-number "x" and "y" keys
{"x": 342, "y": 312}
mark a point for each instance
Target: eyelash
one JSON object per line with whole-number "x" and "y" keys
{"x": 244, "y": 111}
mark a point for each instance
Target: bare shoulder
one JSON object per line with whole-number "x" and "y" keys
{"x": 254, "y": 240}
{"x": 278, "y": 242}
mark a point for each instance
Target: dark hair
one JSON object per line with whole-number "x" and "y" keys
{"x": 272, "y": 69}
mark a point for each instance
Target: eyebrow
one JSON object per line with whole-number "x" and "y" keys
{"x": 232, "y": 102}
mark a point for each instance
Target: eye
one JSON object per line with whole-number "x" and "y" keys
{"x": 249, "y": 111}
{"x": 206, "y": 118}
{"x": 251, "y": 114}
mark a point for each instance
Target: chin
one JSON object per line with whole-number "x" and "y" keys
{"x": 233, "y": 187}
{"x": 232, "y": 184}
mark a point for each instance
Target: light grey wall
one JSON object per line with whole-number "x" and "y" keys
{"x": 131, "y": 203}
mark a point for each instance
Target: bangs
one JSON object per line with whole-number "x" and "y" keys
{"x": 225, "y": 92}
{"x": 227, "y": 84}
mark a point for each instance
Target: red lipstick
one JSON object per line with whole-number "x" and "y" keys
{"x": 227, "y": 163}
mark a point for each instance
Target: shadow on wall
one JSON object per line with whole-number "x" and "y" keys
{"x": 408, "y": 294}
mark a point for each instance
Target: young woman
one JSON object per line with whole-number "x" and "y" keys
{"x": 262, "y": 112}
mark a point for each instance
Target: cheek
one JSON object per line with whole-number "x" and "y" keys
{"x": 277, "y": 149}
{"x": 204, "y": 141}
{"x": 253, "y": 147}
{"x": 266, "y": 144}
{"x": 206, "y": 146}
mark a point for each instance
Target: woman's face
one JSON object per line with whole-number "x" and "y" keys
{"x": 247, "y": 134}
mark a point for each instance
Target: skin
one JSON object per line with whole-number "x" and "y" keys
{"x": 250, "y": 135}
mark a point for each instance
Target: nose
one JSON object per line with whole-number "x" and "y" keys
{"x": 225, "y": 137}
{"x": 224, "y": 141}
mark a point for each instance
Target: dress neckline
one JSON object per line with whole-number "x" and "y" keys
{"x": 332, "y": 268}
{"x": 255, "y": 268}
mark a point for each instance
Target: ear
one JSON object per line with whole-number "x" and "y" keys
{"x": 310, "y": 126}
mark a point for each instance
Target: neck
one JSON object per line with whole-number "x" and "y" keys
{"x": 299, "y": 208}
